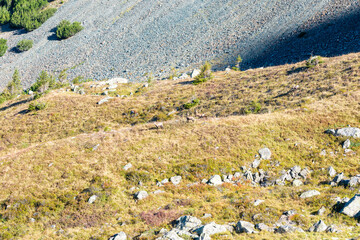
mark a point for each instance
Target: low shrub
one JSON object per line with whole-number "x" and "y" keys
{"x": 66, "y": 29}
{"x": 3, "y": 46}
{"x": 313, "y": 61}
{"x": 43, "y": 83}
{"x": 204, "y": 75}
{"x": 24, "y": 45}
{"x": 191, "y": 104}
{"x": 4, "y": 15}
{"x": 35, "y": 106}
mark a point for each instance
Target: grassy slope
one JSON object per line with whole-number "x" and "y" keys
{"x": 47, "y": 157}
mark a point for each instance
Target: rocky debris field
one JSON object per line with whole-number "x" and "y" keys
{"x": 134, "y": 38}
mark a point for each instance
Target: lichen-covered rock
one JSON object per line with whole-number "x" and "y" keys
{"x": 265, "y": 153}
{"x": 244, "y": 227}
{"x": 119, "y": 236}
{"x": 309, "y": 194}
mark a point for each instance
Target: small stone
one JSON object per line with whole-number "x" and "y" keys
{"x": 215, "y": 180}
{"x": 255, "y": 163}
{"x": 323, "y": 153}
{"x": 265, "y": 153}
{"x": 32, "y": 220}
{"x": 175, "y": 180}
{"x": 92, "y": 199}
{"x": 310, "y": 193}
{"x": 104, "y": 100}
{"x": 141, "y": 195}
{"x": 331, "y": 171}
{"x": 119, "y": 236}
{"x": 297, "y": 183}
{"x": 346, "y": 144}
{"x": 158, "y": 192}
{"x": 321, "y": 211}
{"x": 320, "y": 226}
{"x": 258, "y": 202}
{"x": 207, "y": 215}
{"x": 127, "y": 166}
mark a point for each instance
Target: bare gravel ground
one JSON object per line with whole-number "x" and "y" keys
{"x": 134, "y": 37}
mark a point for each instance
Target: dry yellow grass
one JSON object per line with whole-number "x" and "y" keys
{"x": 47, "y": 158}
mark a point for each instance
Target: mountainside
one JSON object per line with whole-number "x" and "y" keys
{"x": 132, "y": 38}
{"x": 265, "y": 146}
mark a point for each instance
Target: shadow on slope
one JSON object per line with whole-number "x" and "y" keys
{"x": 331, "y": 38}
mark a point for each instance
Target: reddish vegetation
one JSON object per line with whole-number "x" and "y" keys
{"x": 156, "y": 218}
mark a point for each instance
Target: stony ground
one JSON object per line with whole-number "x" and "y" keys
{"x": 132, "y": 38}
{"x": 267, "y": 153}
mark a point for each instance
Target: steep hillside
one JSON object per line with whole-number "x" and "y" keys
{"x": 132, "y": 38}
{"x": 74, "y": 169}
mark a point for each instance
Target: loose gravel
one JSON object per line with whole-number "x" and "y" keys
{"x": 134, "y": 37}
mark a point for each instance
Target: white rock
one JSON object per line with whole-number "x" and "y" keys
{"x": 184, "y": 76}
{"x": 331, "y": 171}
{"x": 119, "y": 236}
{"x": 297, "y": 183}
{"x": 104, "y": 100}
{"x": 141, "y": 195}
{"x": 265, "y": 153}
{"x": 117, "y": 80}
{"x": 348, "y": 132}
{"x": 195, "y": 73}
{"x": 255, "y": 163}
{"x": 175, "y": 180}
{"x": 127, "y": 166}
{"x": 207, "y": 215}
{"x": 215, "y": 180}
{"x": 258, "y": 202}
{"x": 92, "y": 199}
{"x": 346, "y": 144}
{"x": 310, "y": 193}
{"x": 158, "y": 192}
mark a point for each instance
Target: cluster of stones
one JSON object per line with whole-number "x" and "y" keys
{"x": 193, "y": 228}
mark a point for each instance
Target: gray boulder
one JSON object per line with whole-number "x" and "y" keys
{"x": 119, "y": 236}
{"x": 263, "y": 227}
{"x": 320, "y": 226}
{"x": 187, "y": 222}
{"x": 288, "y": 229}
{"x": 352, "y": 207}
{"x": 321, "y": 211}
{"x": 348, "y": 132}
{"x": 210, "y": 229}
{"x": 244, "y": 227}
{"x": 309, "y": 194}
{"x": 171, "y": 235}
{"x": 141, "y": 195}
{"x": 215, "y": 180}
{"x": 265, "y": 153}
